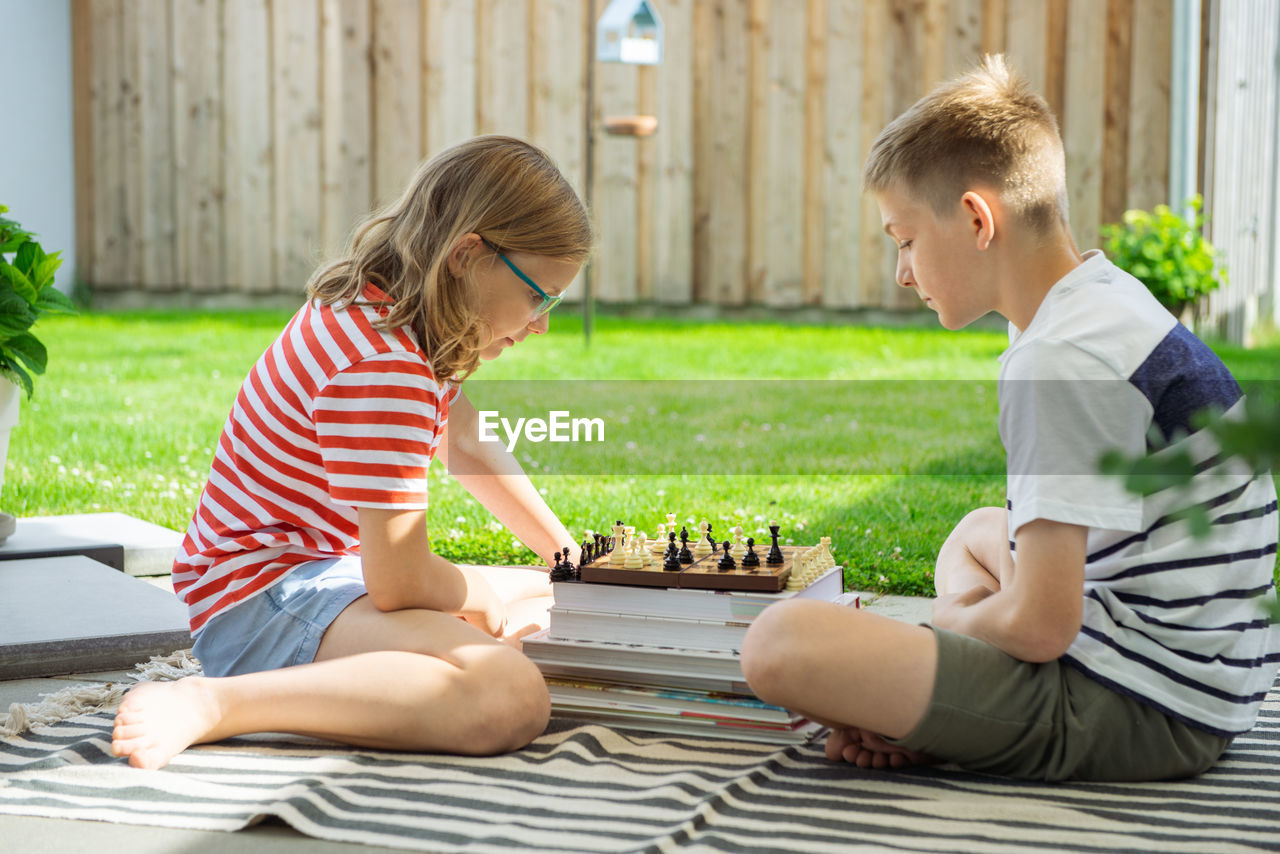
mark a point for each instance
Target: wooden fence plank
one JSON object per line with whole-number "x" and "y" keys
{"x": 614, "y": 195}
{"x": 812, "y": 226}
{"x": 704, "y": 97}
{"x": 1115, "y": 129}
{"x": 108, "y": 166}
{"x": 876, "y": 274}
{"x": 157, "y": 228}
{"x": 1027, "y": 35}
{"x": 449, "y": 90}
{"x": 295, "y": 30}
{"x": 1055, "y": 56}
{"x": 82, "y": 86}
{"x": 994, "y": 26}
{"x": 729, "y": 127}
{"x": 246, "y": 62}
{"x": 131, "y": 163}
{"x": 1083, "y": 116}
{"x": 1151, "y": 70}
{"x": 397, "y": 122}
{"x": 198, "y": 112}
{"x": 672, "y": 244}
{"x": 758, "y": 149}
{"x": 784, "y": 174}
{"x": 844, "y": 152}
{"x": 502, "y": 67}
{"x": 347, "y": 119}
{"x": 963, "y": 44}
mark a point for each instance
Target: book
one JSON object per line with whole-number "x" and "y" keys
{"x": 709, "y": 669}
{"x": 731, "y": 605}
{"x": 670, "y": 701}
{"x": 801, "y": 732}
{"x": 609, "y": 624}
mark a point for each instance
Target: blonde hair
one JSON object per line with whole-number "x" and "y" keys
{"x": 504, "y": 189}
{"x": 985, "y": 127}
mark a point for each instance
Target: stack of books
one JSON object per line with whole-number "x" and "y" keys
{"x": 665, "y": 659}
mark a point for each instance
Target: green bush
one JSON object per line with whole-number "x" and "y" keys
{"x": 26, "y": 292}
{"x": 1167, "y": 253}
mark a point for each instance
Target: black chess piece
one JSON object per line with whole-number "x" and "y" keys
{"x": 751, "y": 558}
{"x": 598, "y": 551}
{"x": 775, "y": 553}
{"x": 726, "y": 560}
{"x": 671, "y": 562}
{"x": 586, "y": 552}
{"x": 685, "y": 556}
{"x": 710, "y": 538}
{"x": 562, "y": 571}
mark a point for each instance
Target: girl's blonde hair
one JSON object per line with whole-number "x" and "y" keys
{"x": 985, "y": 127}
{"x": 505, "y": 190}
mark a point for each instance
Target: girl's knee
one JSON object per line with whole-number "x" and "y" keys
{"x": 509, "y": 705}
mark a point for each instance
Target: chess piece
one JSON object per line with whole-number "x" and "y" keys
{"x": 739, "y": 547}
{"x": 775, "y": 554}
{"x": 642, "y": 548}
{"x": 705, "y": 545}
{"x": 828, "y": 559}
{"x": 726, "y": 561}
{"x": 671, "y": 563}
{"x": 586, "y": 552}
{"x": 634, "y": 557}
{"x": 685, "y": 555}
{"x": 751, "y": 559}
{"x": 562, "y": 571}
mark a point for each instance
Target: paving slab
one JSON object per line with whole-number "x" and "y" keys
{"x": 115, "y": 539}
{"x": 61, "y": 615}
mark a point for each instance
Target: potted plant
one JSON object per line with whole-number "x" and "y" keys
{"x": 1168, "y": 253}
{"x": 26, "y": 293}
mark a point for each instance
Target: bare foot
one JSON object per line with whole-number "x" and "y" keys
{"x": 868, "y": 750}
{"x": 158, "y": 720}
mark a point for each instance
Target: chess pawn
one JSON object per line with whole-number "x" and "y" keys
{"x": 634, "y": 558}
{"x": 662, "y": 532}
{"x": 642, "y": 549}
{"x": 726, "y": 560}
{"x": 671, "y": 521}
{"x": 751, "y": 559}
{"x": 703, "y": 546}
{"x": 739, "y": 547}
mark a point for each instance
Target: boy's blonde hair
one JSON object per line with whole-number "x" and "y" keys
{"x": 986, "y": 127}
{"x": 504, "y": 189}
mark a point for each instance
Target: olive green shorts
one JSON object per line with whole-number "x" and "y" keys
{"x": 995, "y": 714}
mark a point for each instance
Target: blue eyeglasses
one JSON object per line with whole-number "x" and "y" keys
{"x": 548, "y": 302}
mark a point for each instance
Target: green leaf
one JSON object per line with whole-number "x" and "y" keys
{"x": 28, "y": 256}
{"x": 14, "y": 372}
{"x": 16, "y": 316}
{"x": 28, "y": 349}
{"x": 19, "y": 282}
{"x": 54, "y": 301}
{"x": 45, "y": 270}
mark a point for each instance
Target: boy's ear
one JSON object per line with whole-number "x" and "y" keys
{"x": 980, "y": 216}
{"x": 463, "y": 252}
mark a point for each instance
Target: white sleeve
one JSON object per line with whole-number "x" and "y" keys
{"x": 1061, "y": 410}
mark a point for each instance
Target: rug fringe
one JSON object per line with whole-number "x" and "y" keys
{"x": 77, "y": 700}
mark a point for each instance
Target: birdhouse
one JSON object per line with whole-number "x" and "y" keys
{"x": 629, "y": 31}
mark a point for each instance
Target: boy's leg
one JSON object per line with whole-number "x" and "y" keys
{"x": 840, "y": 666}
{"x": 976, "y": 554}
{"x": 414, "y": 680}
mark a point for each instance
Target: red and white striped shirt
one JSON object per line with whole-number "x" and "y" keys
{"x": 335, "y": 415}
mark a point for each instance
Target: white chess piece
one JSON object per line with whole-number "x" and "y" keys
{"x": 618, "y": 556}
{"x": 703, "y": 547}
{"x": 642, "y": 549}
{"x": 739, "y": 550}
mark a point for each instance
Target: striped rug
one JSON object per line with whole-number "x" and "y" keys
{"x": 590, "y": 789}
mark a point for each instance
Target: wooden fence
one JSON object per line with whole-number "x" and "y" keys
{"x": 224, "y": 146}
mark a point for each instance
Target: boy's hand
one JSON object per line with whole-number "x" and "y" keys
{"x": 868, "y": 750}
{"x": 947, "y": 609}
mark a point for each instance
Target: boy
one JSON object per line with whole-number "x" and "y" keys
{"x": 1078, "y": 633}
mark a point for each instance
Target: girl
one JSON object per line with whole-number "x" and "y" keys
{"x": 315, "y": 600}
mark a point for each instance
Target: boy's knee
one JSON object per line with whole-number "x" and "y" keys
{"x": 771, "y": 646}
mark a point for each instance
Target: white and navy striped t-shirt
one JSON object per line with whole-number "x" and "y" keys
{"x": 335, "y": 415}
{"x": 1177, "y": 622}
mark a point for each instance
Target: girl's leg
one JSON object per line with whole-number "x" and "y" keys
{"x": 975, "y": 554}
{"x": 410, "y": 680}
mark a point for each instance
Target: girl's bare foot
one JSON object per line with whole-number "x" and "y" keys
{"x": 868, "y": 750}
{"x": 158, "y": 720}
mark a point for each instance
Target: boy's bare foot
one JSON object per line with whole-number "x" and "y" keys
{"x": 868, "y": 750}
{"x": 158, "y": 720}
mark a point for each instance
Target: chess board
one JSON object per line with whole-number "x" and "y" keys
{"x": 702, "y": 574}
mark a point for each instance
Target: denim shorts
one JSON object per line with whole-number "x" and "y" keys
{"x": 282, "y": 625}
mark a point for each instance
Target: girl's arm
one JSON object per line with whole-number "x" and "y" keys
{"x": 491, "y": 474}
{"x": 401, "y": 572}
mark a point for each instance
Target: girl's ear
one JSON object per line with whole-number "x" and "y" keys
{"x": 463, "y": 253}
{"x": 981, "y": 218}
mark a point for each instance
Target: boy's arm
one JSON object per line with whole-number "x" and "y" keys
{"x": 491, "y": 474}
{"x": 401, "y": 571}
{"x": 1037, "y": 613}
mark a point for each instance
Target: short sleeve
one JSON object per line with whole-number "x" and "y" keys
{"x": 378, "y": 424}
{"x": 1061, "y": 410}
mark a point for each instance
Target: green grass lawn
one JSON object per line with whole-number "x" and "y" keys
{"x": 738, "y": 423}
